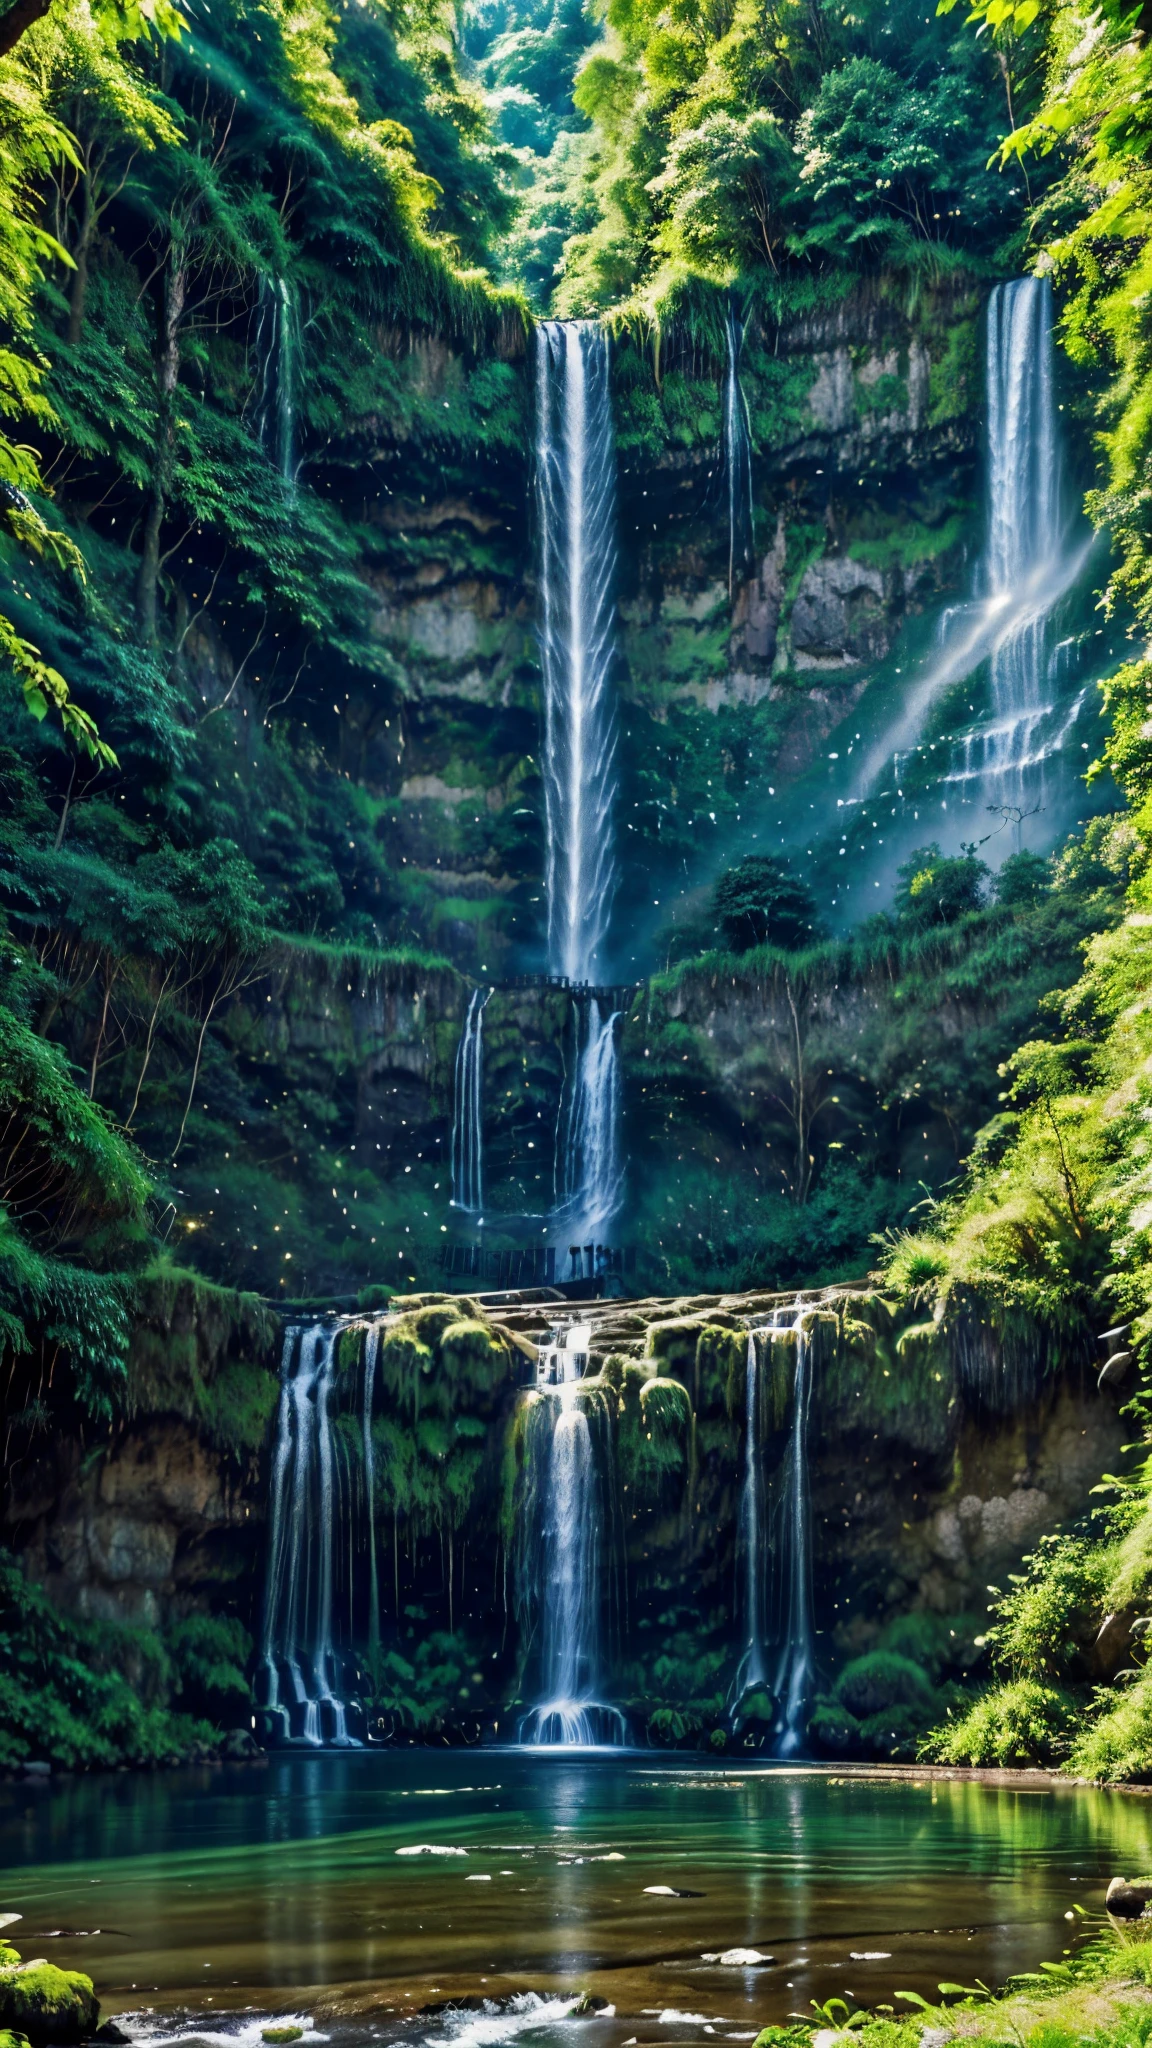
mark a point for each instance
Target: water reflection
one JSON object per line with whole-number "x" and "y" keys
{"x": 326, "y": 1884}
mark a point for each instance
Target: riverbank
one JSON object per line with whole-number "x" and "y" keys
{"x": 1102, "y": 1995}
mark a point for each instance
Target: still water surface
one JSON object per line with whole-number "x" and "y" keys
{"x": 196, "y": 1897}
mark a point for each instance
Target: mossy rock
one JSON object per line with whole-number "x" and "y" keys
{"x": 833, "y": 1729}
{"x": 47, "y": 2004}
{"x": 277, "y": 2036}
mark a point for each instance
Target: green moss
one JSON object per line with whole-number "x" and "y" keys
{"x": 47, "y": 2004}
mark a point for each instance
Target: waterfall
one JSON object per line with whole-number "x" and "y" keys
{"x": 468, "y": 1110}
{"x": 590, "y": 1170}
{"x": 1024, "y": 550}
{"x": 737, "y": 462}
{"x": 565, "y": 1559}
{"x": 310, "y": 1585}
{"x": 277, "y": 351}
{"x": 576, "y": 501}
{"x": 796, "y": 1661}
{"x": 775, "y": 1543}
{"x": 751, "y": 1528}
{"x": 1032, "y": 558}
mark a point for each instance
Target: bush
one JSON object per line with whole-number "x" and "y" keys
{"x": 1021, "y": 1722}
{"x": 880, "y": 1681}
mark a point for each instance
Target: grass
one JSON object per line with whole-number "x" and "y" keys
{"x": 1098, "y": 1995}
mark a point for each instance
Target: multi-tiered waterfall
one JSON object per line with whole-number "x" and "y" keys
{"x": 576, "y": 502}
{"x": 774, "y": 1534}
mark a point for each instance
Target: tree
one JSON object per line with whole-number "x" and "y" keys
{"x": 938, "y": 888}
{"x": 760, "y": 902}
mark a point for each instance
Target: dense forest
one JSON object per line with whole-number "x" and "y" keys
{"x": 268, "y": 284}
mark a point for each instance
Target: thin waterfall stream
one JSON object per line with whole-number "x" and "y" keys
{"x": 468, "y": 1109}
{"x": 737, "y": 461}
{"x": 775, "y": 1539}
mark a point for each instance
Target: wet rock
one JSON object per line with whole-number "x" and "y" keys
{"x": 112, "y": 2035}
{"x": 1127, "y": 1898}
{"x": 586, "y": 2005}
{"x": 278, "y": 2036}
{"x": 47, "y": 2004}
{"x": 840, "y": 615}
{"x": 1116, "y": 1369}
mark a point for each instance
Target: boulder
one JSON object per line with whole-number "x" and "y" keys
{"x": 47, "y": 2004}
{"x": 1127, "y": 1898}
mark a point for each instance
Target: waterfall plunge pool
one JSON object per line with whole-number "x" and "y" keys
{"x": 233, "y": 1897}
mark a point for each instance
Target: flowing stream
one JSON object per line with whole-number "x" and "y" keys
{"x": 576, "y": 505}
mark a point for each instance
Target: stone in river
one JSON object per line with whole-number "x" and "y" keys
{"x": 1127, "y": 1898}
{"x": 47, "y": 2004}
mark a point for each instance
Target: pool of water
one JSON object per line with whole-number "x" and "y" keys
{"x": 357, "y": 1891}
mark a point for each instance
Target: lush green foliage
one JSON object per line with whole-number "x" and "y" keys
{"x": 83, "y": 1695}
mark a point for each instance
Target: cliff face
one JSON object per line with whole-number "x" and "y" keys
{"x": 926, "y": 1484}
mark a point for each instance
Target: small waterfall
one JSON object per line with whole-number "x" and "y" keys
{"x": 775, "y": 1542}
{"x": 796, "y": 1662}
{"x": 590, "y": 1170}
{"x": 576, "y": 504}
{"x": 565, "y": 1545}
{"x": 752, "y": 1528}
{"x": 468, "y": 1110}
{"x": 278, "y": 354}
{"x": 737, "y": 462}
{"x": 320, "y": 1524}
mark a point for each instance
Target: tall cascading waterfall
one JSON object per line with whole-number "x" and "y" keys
{"x": 1015, "y": 639}
{"x": 737, "y": 462}
{"x": 775, "y": 1540}
{"x": 576, "y": 504}
{"x": 468, "y": 1110}
{"x": 320, "y": 1528}
{"x": 566, "y": 1520}
{"x": 277, "y": 350}
{"x": 1025, "y": 551}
